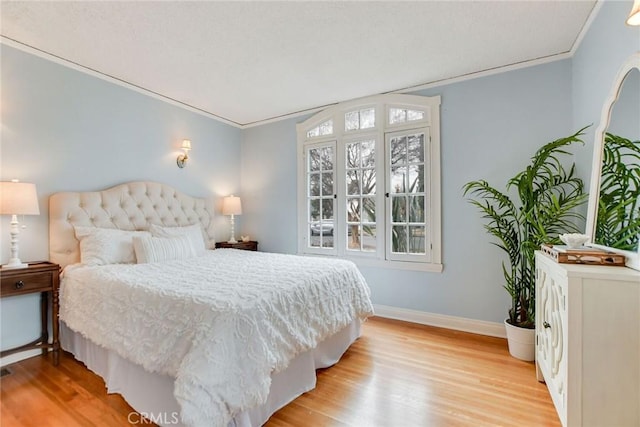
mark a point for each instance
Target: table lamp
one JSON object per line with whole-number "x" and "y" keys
{"x": 17, "y": 198}
{"x": 231, "y": 205}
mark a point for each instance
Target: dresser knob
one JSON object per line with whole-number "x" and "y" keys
{"x": 546, "y": 325}
{"x": 19, "y": 285}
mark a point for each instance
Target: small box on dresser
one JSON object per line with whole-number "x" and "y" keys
{"x": 588, "y": 341}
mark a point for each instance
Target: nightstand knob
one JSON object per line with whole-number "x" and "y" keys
{"x": 546, "y": 325}
{"x": 19, "y": 285}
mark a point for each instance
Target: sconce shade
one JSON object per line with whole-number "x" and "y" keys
{"x": 634, "y": 16}
{"x": 186, "y": 144}
{"x": 18, "y": 198}
{"x": 231, "y": 205}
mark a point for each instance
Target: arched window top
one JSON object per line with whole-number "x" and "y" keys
{"x": 366, "y": 114}
{"x": 323, "y": 129}
{"x": 360, "y": 119}
{"x": 399, "y": 115}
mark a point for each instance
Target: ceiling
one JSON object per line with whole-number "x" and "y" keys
{"x": 249, "y": 62}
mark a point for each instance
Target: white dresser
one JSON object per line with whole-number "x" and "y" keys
{"x": 588, "y": 342}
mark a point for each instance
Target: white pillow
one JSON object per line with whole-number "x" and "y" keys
{"x": 193, "y": 232}
{"x": 101, "y": 246}
{"x": 156, "y": 249}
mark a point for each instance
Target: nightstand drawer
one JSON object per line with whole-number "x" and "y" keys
{"x": 25, "y": 283}
{"x": 245, "y": 246}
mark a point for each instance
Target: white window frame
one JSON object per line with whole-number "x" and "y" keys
{"x": 358, "y": 109}
{"x": 314, "y": 145}
{"x": 425, "y": 121}
{"x": 395, "y": 256}
{"x": 351, "y": 137}
{"x": 382, "y": 103}
{"x": 317, "y": 125}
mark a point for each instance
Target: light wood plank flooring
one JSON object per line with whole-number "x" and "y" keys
{"x": 397, "y": 374}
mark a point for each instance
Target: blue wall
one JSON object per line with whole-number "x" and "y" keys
{"x": 490, "y": 127}
{"x": 606, "y": 46}
{"x": 65, "y": 130}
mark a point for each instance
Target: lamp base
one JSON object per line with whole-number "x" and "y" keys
{"x": 14, "y": 259}
{"x": 14, "y": 265}
{"x": 232, "y": 239}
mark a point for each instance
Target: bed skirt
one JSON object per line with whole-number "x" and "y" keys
{"x": 152, "y": 394}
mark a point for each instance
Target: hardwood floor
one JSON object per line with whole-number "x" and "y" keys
{"x": 396, "y": 374}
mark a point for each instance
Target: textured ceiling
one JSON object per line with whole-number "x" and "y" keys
{"x": 248, "y": 62}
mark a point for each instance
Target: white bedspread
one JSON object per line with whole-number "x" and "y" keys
{"x": 220, "y": 323}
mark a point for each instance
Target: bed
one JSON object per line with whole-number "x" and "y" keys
{"x": 188, "y": 335}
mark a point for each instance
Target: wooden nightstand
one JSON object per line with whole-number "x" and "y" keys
{"x": 43, "y": 277}
{"x": 247, "y": 246}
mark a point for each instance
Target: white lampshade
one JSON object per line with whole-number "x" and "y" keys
{"x": 634, "y": 16}
{"x": 186, "y": 144}
{"x": 18, "y": 198}
{"x": 231, "y": 205}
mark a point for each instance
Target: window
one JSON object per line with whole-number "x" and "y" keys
{"x": 407, "y": 196}
{"x": 369, "y": 182}
{"x": 325, "y": 128}
{"x": 320, "y": 201}
{"x": 361, "y": 209}
{"x": 403, "y": 115}
{"x": 362, "y": 119}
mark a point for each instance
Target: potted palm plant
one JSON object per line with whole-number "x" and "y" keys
{"x": 545, "y": 197}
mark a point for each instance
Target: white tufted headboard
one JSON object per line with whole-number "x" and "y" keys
{"x": 131, "y": 206}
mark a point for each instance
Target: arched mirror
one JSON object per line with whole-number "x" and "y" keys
{"x": 613, "y": 219}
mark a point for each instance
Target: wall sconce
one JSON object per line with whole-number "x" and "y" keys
{"x": 17, "y": 198}
{"x": 182, "y": 158}
{"x": 634, "y": 15}
{"x": 231, "y": 205}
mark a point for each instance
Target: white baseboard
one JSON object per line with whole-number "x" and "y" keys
{"x": 481, "y": 327}
{"x": 16, "y": 357}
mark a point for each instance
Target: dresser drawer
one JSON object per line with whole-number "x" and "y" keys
{"x": 15, "y": 284}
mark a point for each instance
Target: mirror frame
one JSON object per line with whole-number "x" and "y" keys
{"x": 633, "y": 258}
